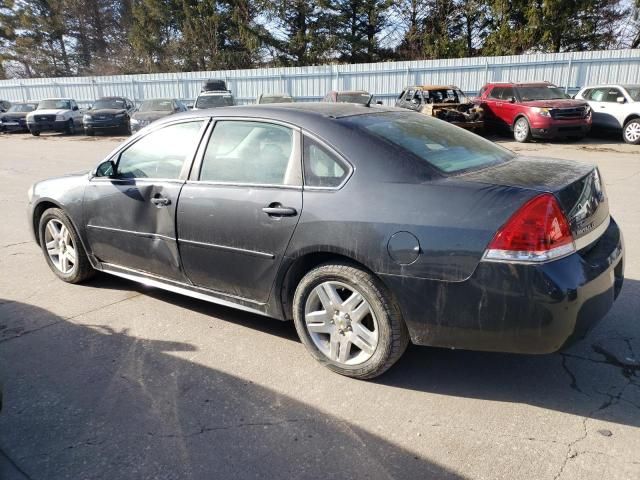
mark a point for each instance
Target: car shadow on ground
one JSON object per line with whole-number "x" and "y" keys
{"x": 597, "y": 372}
{"x": 86, "y": 401}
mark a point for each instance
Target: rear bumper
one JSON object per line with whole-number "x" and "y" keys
{"x": 515, "y": 308}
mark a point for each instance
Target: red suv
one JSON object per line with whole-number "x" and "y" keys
{"x": 529, "y": 110}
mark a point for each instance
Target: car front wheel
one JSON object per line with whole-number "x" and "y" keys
{"x": 631, "y": 132}
{"x": 521, "y": 130}
{"x": 348, "y": 322}
{"x": 62, "y": 248}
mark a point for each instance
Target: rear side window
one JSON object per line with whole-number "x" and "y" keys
{"x": 251, "y": 153}
{"x": 321, "y": 167}
{"x": 446, "y": 147}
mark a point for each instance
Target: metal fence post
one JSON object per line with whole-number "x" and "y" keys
{"x": 568, "y": 77}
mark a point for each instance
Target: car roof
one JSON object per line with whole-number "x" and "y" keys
{"x": 607, "y": 85}
{"x": 520, "y": 84}
{"x": 112, "y": 97}
{"x": 214, "y": 92}
{"x": 433, "y": 87}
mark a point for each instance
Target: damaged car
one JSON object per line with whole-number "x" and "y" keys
{"x": 368, "y": 227}
{"x": 445, "y": 102}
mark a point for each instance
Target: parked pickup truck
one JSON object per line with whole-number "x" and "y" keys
{"x": 534, "y": 109}
{"x": 615, "y": 107}
{"x": 55, "y": 115}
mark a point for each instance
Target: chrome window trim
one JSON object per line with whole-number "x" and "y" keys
{"x": 254, "y": 253}
{"x": 132, "y": 232}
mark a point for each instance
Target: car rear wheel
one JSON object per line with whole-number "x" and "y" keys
{"x": 35, "y": 133}
{"x": 521, "y": 130}
{"x": 89, "y": 131}
{"x": 62, "y": 247}
{"x": 631, "y": 132}
{"x": 348, "y": 322}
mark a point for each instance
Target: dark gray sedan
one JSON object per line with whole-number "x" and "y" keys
{"x": 369, "y": 227}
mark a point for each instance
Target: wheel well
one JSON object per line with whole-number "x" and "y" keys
{"x": 37, "y": 213}
{"x": 630, "y": 117}
{"x": 300, "y": 267}
{"x": 518, "y": 117}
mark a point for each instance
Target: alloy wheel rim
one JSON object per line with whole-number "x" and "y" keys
{"x": 60, "y": 247}
{"x": 341, "y": 323}
{"x": 521, "y": 130}
{"x": 632, "y": 132}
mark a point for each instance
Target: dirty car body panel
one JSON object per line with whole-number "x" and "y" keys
{"x": 422, "y": 227}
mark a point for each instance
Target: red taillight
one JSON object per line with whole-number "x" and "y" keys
{"x": 537, "y": 232}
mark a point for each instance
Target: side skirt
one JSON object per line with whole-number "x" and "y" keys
{"x": 184, "y": 289}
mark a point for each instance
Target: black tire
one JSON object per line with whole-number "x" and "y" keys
{"x": 82, "y": 270}
{"x": 71, "y": 127}
{"x": 393, "y": 336}
{"x": 630, "y": 131}
{"x": 126, "y": 129}
{"x": 521, "y": 130}
{"x": 90, "y": 132}
{"x": 35, "y": 133}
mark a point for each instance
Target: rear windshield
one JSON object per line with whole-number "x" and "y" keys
{"x": 157, "y": 106}
{"x": 55, "y": 104}
{"x": 361, "y": 98}
{"x": 22, "y": 107}
{"x": 211, "y": 101}
{"x": 448, "y": 148}
{"x": 634, "y": 92}
{"x": 109, "y": 103}
{"x": 541, "y": 92}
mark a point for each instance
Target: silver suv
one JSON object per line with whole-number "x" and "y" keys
{"x": 615, "y": 107}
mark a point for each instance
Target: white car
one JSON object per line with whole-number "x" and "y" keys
{"x": 55, "y": 115}
{"x": 615, "y": 107}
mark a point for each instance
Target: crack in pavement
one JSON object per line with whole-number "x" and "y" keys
{"x": 64, "y": 319}
{"x": 13, "y": 464}
{"x": 230, "y": 427}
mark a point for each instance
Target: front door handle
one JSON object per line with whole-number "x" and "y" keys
{"x": 277, "y": 210}
{"x": 160, "y": 201}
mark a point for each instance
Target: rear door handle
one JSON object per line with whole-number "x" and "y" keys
{"x": 277, "y": 210}
{"x": 160, "y": 201}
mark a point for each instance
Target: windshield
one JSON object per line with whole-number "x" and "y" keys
{"x": 541, "y": 92}
{"x": 275, "y": 99}
{"x": 634, "y": 92}
{"x": 448, "y": 95}
{"x": 358, "y": 97}
{"x": 22, "y": 107}
{"x": 156, "y": 106}
{"x": 55, "y": 104}
{"x": 444, "y": 146}
{"x": 211, "y": 101}
{"x": 111, "y": 103}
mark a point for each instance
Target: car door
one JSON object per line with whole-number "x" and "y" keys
{"x": 490, "y": 106}
{"x": 240, "y": 207}
{"x": 601, "y": 108}
{"x": 508, "y": 108}
{"x": 130, "y": 215}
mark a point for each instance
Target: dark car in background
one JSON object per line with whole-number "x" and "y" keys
{"x": 109, "y": 114}
{"x": 5, "y": 105}
{"x": 15, "y": 119}
{"x": 533, "y": 110}
{"x": 154, "y": 109}
{"x": 369, "y": 227}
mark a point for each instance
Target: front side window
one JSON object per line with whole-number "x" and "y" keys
{"x": 444, "y": 146}
{"x": 496, "y": 92}
{"x": 161, "y": 153}
{"x": 251, "y": 153}
{"x": 634, "y": 93}
{"x": 612, "y": 95}
{"x": 508, "y": 93}
{"x": 321, "y": 167}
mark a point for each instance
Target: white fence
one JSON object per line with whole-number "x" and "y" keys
{"x": 386, "y": 80}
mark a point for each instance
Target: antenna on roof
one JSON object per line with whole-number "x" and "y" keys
{"x": 368, "y": 104}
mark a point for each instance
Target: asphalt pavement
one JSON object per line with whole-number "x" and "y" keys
{"x": 113, "y": 380}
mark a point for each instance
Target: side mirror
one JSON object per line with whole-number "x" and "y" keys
{"x": 620, "y": 100}
{"x": 105, "y": 169}
{"x": 512, "y": 99}
{"x": 75, "y": 108}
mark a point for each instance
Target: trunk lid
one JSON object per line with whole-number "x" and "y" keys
{"x": 577, "y": 186}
